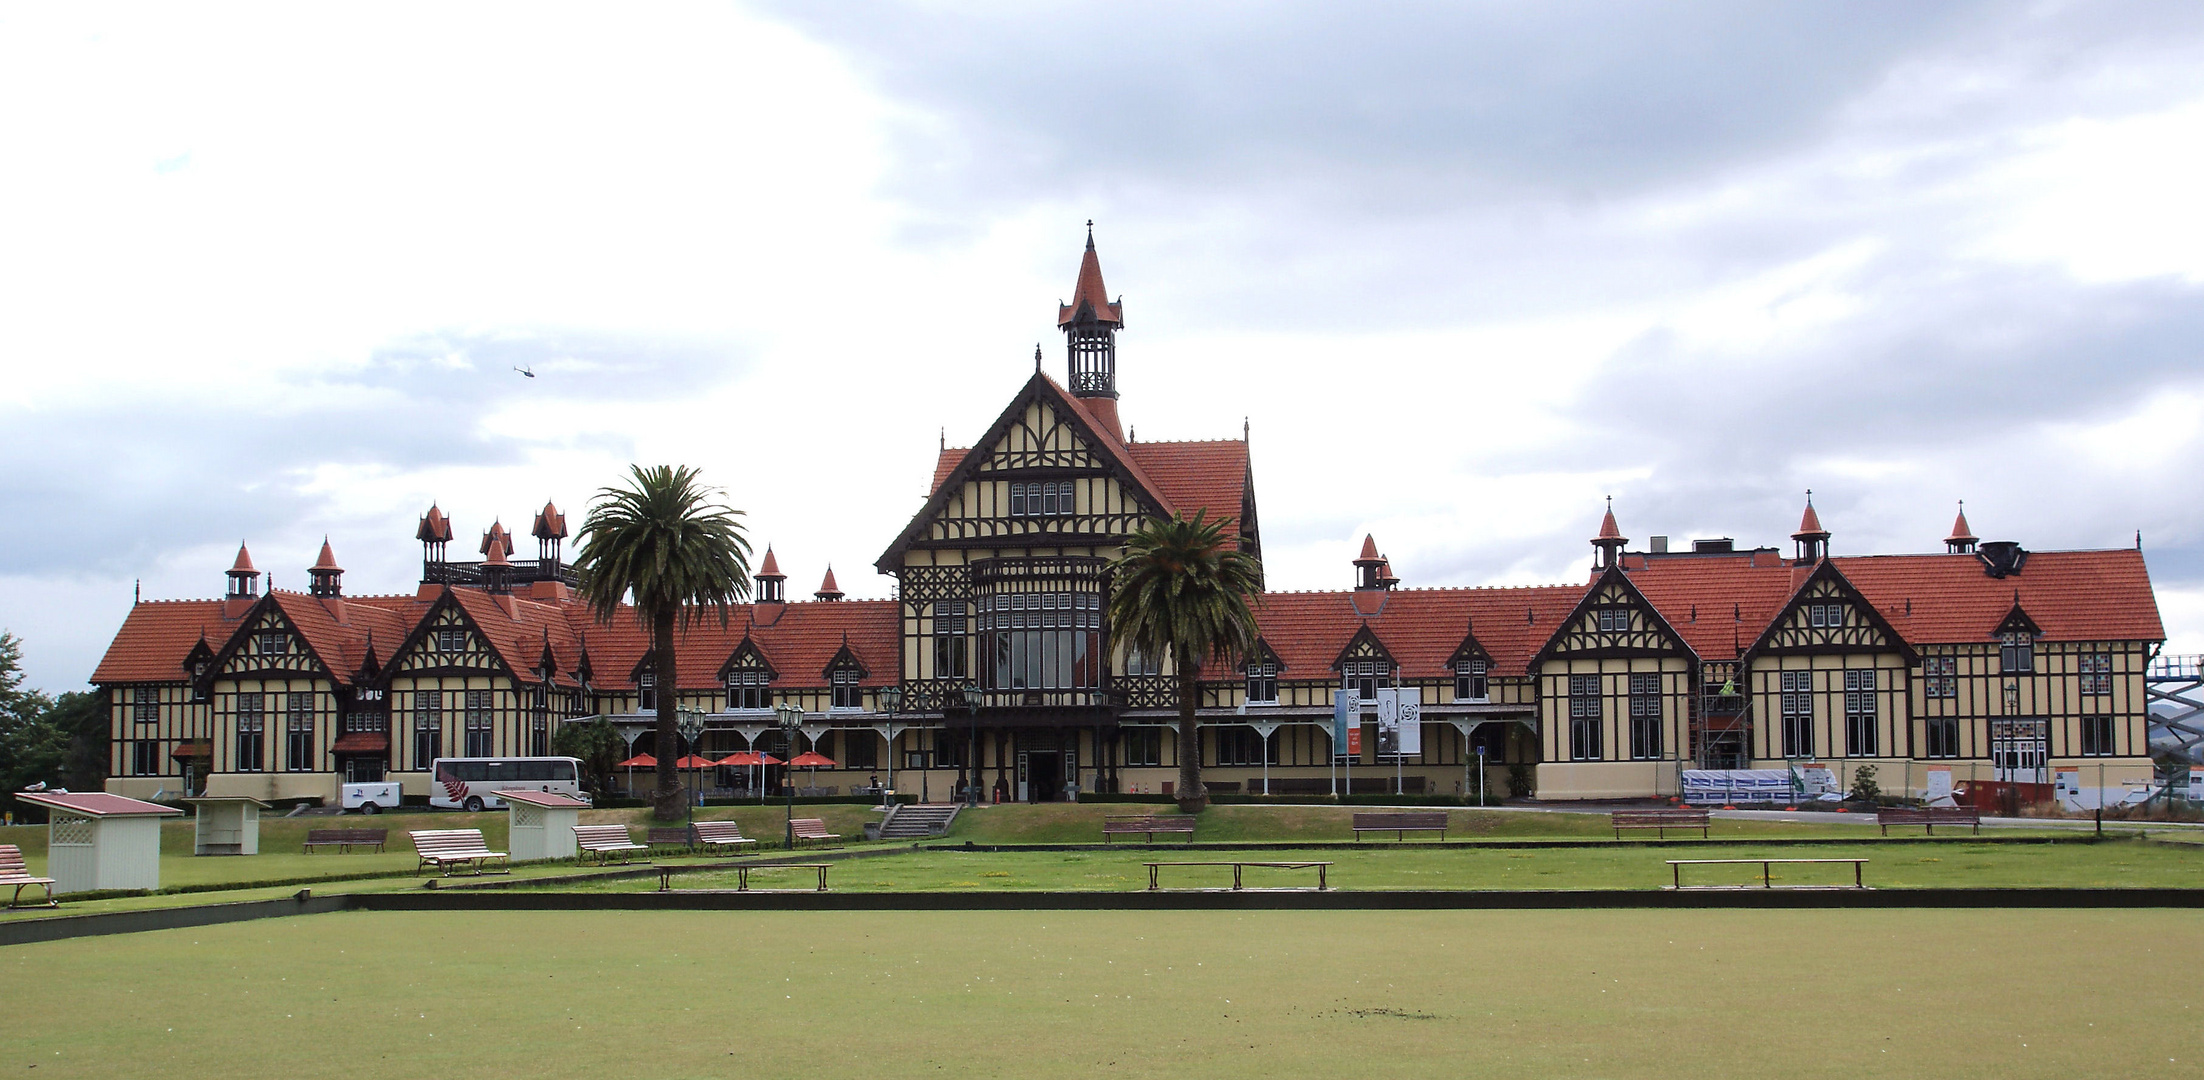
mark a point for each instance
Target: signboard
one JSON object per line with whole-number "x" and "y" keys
{"x": 1400, "y": 721}
{"x": 1719, "y": 786}
{"x": 1817, "y": 781}
{"x": 1346, "y": 724}
{"x": 1938, "y": 792}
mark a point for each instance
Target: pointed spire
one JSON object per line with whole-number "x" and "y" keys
{"x": 1369, "y": 549}
{"x": 325, "y": 578}
{"x": 244, "y": 580}
{"x": 1090, "y": 324}
{"x": 244, "y": 563}
{"x": 499, "y": 537}
{"x": 435, "y": 527}
{"x": 1370, "y": 569}
{"x": 550, "y": 523}
{"x": 1813, "y": 540}
{"x": 1090, "y": 300}
{"x": 828, "y": 590}
{"x": 770, "y": 581}
{"x": 1962, "y": 539}
{"x": 771, "y": 567}
{"x": 494, "y": 554}
{"x": 1610, "y": 540}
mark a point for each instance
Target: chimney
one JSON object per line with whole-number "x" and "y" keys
{"x": 1660, "y": 545}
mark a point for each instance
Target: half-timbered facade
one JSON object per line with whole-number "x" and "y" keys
{"x": 992, "y": 672}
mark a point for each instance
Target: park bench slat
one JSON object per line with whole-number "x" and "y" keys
{"x": 812, "y": 829}
{"x": 1400, "y": 823}
{"x": 607, "y": 841}
{"x": 712, "y": 834}
{"x": 1148, "y": 825}
{"x": 14, "y": 871}
{"x": 1928, "y": 817}
{"x": 1661, "y": 820}
{"x": 345, "y": 839}
{"x": 443, "y": 848}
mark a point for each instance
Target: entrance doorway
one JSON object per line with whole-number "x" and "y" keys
{"x": 1042, "y": 774}
{"x": 2019, "y": 751}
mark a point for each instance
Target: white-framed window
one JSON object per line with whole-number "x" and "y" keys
{"x": 298, "y": 732}
{"x": 951, "y": 647}
{"x": 746, "y": 689}
{"x": 1587, "y": 714}
{"x": 1365, "y": 677}
{"x": 1139, "y": 663}
{"x": 252, "y": 726}
{"x": 1940, "y": 676}
{"x": 1645, "y": 716}
{"x": 274, "y": 643}
{"x": 2096, "y": 670}
{"x": 1044, "y": 498}
{"x": 1824, "y": 615}
{"x": 1262, "y": 683}
{"x": 449, "y": 639}
{"x": 1614, "y": 620}
{"x": 481, "y": 735}
{"x": 847, "y": 694}
{"x": 1860, "y": 727}
{"x": 1797, "y": 704}
{"x": 145, "y": 758}
{"x": 1143, "y": 745}
{"x": 646, "y": 692}
{"x": 2097, "y": 737}
{"x": 1469, "y": 679}
{"x": 1943, "y": 737}
{"x": 428, "y": 727}
{"x": 145, "y": 704}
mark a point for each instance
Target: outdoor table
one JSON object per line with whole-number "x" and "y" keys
{"x": 1321, "y": 868}
{"x": 99, "y": 841}
{"x": 541, "y": 824}
{"x": 225, "y": 824}
{"x": 1767, "y": 879}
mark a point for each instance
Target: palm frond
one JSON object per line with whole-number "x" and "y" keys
{"x": 666, "y": 541}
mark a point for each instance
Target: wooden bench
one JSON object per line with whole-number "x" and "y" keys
{"x": 344, "y": 840}
{"x": 742, "y": 875}
{"x": 1148, "y": 825}
{"x": 720, "y": 834}
{"x": 664, "y": 834}
{"x": 1767, "y": 875}
{"x": 607, "y": 841}
{"x": 1321, "y": 868}
{"x": 1928, "y": 817}
{"x": 445, "y": 848}
{"x": 1401, "y": 824}
{"x": 1662, "y": 820}
{"x": 811, "y": 828}
{"x": 14, "y": 871}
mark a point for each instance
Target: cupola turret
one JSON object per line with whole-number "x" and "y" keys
{"x": 1610, "y": 540}
{"x": 1813, "y": 540}
{"x": 1962, "y": 539}
{"x": 1090, "y": 324}
{"x": 325, "y": 578}
{"x": 828, "y": 590}
{"x": 772, "y": 584}
{"x": 244, "y": 579}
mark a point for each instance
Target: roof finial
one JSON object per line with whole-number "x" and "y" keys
{"x": 1243, "y": 429}
{"x": 1090, "y": 234}
{"x": 137, "y": 585}
{"x": 944, "y": 437}
{"x": 1036, "y": 358}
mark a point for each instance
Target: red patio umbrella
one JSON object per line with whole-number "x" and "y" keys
{"x": 639, "y": 761}
{"x": 752, "y": 760}
{"x": 811, "y": 759}
{"x": 694, "y": 762}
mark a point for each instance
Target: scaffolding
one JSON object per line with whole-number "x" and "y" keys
{"x": 2173, "y": 690}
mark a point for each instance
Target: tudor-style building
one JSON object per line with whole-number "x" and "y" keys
{"x": 993, "y": 673}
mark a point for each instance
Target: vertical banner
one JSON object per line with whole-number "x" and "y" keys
{"x": 1346, "y": 723}
{"x": 1411, "y": 721}
{"x": 1388, "y": 703}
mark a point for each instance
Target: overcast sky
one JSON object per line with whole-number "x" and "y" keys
{"x": 265, "y": 274}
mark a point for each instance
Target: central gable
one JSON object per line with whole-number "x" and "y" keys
{"x": 447, "y": 642}
{"x": 1827, "y": 615}
{"x": 1045, "y": 473}
{"x": 1613, "y": 620}
{"x": 267, "y": 643}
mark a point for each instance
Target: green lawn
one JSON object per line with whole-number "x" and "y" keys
{"x": 1952, "y": 864}
{"x": 1750, "y": 994}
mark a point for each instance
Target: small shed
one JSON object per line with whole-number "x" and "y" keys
{"x": 541, "y": 824}
{"x": 99, "y": 841}
{"x": 225, "y": 824}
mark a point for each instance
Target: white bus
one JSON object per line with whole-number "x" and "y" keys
{"x": 473, "y": 783}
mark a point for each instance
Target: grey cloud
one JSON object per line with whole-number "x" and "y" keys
{"x": 107, "y": 489}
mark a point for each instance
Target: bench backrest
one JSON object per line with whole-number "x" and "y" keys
{"x": 347, "y": 836}
{"x": 449, "y": 842}
{"x": 810, "y": 827}
{"x": 1899, "y": 815}
{"x": 718, "y": 831}
{"x": 1152, "y": 823}
{"x": 601, "y": 834}
{"x": 1420, "y": 819}
{"x": 669, "y": 835}
{"x": 11, "y": 861}
{"x": 1627, "y": 817}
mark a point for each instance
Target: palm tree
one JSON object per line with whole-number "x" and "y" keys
{"x": 1180, "y": 591}
{"x": 668, "y": 542}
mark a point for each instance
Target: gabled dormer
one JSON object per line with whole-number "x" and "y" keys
{"x": 748, "y": 677}
{"x": 2016, "y": 638}
{"x": 1472, "y": 668}
{"x": 1613, "y": 620}
{"x": 1827, "y": 615}
{"x": 447, "y": 641}
{"x": 1262, "y": 669}
{"x": 1365, "y": 665}
{"x": 267, "y": 643}
{"x": 845, "y": 675}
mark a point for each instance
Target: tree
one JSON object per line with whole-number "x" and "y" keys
{"x": 1180, "y": 591}
{"x": 597, "y": 743}
{"x": 32, "y": 746}
{"x": 667, "y": 543}
{"x": 80, "y": 717}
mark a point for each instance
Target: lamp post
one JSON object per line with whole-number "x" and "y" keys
{"x": 972, "y": 699}
{"x": 789, "y": 716}
{"x": 690, "y": 725}
{"x": 891, "y": 702}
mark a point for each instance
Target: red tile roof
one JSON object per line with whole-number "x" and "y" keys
{"x": 1960, "y": 534}
{"x": 244, "y": 563}
{"x": 498, "y": 535}
{"x": 827, "y": 587}
{"x": 2072, "y": 595}
{"x": 771, "y": 567}
{"x": 338, "y": 632}
{"x": 1608, "y": 530}
{"x": 361, "y": 742}
{"x": 96, "y": 804}
{"x": 156, "y": 637}
{"x": 328, "y": 560}
{"x": 550, "y": 524}
{"x": 435, "y": 527}
{"x": 1809, "y": 525}
{"x": 1421, "y": 628}
{"x": 1089, "y": 300}
{"x": 1719, "y": 605}
{"x": 1369, "y": 549}
{"x": 1193, "y": 476}
{"x": 799, "y": 642}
